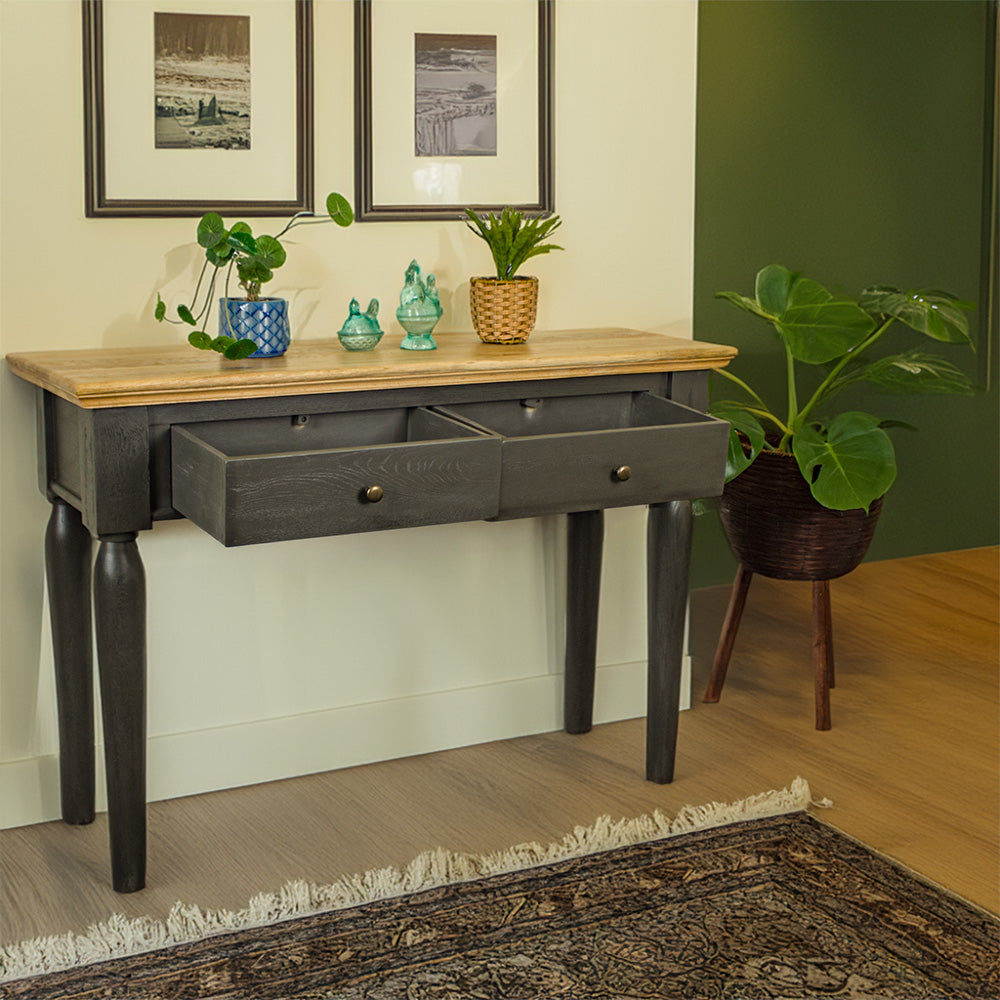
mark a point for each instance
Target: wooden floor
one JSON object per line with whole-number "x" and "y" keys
{"x": 911, "y": 764}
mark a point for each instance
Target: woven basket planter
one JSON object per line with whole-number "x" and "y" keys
{"x": 776, "y": 528}
{"x": 503, "y": 311}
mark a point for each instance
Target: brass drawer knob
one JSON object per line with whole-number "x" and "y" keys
{"x": 372, "y": 494}
{"x": 621, "y": 474}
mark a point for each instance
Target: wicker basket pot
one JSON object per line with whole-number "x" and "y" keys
{"x": 503, "y": 310}
{"x": 775, "y": 526}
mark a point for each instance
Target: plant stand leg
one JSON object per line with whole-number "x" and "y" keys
{"x": 822, "y": 628}
{"x": 727, "y": 637}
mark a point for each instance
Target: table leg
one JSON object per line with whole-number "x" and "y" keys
{"x": 584, "y": 549}
{"x": 668, "y": 553}
{"x": 68, "y": 551}
{"x": 120, "y": 620}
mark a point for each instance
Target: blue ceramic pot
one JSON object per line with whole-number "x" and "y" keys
{"x": 265, "y": 322}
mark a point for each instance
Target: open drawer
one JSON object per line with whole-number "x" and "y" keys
{"x": 275, "y": 478}
{"x": 567, "y": 453}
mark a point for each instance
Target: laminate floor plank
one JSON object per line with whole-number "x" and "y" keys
{"x": 910, "y": 764}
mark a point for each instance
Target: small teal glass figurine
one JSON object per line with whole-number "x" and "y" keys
{"x": 419, "y": 310}
{"x": 361, "y": 331}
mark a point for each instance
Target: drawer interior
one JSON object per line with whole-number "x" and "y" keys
{"x": 328, "y": 431}
{"x": 528, "y": 417}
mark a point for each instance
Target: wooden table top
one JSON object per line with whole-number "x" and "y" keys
{"x": 138, "y": 376}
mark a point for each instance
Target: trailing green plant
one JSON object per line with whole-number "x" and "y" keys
{"x": 511, "y": 239}
{"x": 254, "y": 258}
{"x": 847, "y": 458}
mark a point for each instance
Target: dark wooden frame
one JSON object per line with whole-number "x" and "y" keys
{"x": 96, "y": 200}
{"x": 366, "y": 209}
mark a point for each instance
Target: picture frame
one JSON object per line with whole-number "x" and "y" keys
{"x": 498, "y": 51}
{"x": 264, "y": 164}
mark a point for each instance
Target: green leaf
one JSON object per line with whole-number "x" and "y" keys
{"x": 219, "y": 255}
{"x": 270, "y": 253}
{"x": 911, "y": 372}
{"x": 934, "y": 313}
{"x": 253, "y": 272}
{"x": 200, "y": 339}
{"x": 222, "y": 342}
{"x": 241, "y": 227}
{"x": 742, "y": 302}
{"x": 184, "y": 313}
{"x": 339, "y": 209}
{"x": 211, "y": 230}
{"x": 772, "y": 288}
{"x": 242, "y": 241}
{"x": 817, "y": 327}
{"x": 740, "y": 422}
{"x": 241, "y": 349}
{"x": 161, "y": 309}
{"x": 848, "y": 464}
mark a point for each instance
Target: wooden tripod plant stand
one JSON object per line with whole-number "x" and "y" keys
{"x": 822, "y": 643}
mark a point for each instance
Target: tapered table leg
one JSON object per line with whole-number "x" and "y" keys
{"x": 68, "y": 552}
{"x": 120, "y": 620}
{"x": 668, "y": 555}
{"x": 822, "y": 640}
{"x": 585, "y": 545}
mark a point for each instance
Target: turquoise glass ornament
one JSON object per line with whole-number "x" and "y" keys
{"x": 361, "y": 331}
{"x": 419, "y": 310}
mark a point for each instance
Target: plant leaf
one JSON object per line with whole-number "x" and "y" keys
{"x": 772, "y": 287}
{"x": 937, "y": 314}
{"x": 200, "y": 339}
{"x": 242, "y": 241}
{"x": 222, "y": 342}
{"x": 911, "y": 372}
{"x": 161, "y": 309}
{"x": 241, "y": 349}
{"x": 270, "y": 252}
{"x": 740, "y": 422}
{"x": 184, "y": 313}
{"x": 848, "y": 464}
{"x": 339, "y": 209}
{"x": 211, "y": 230}
{"x": 817, "y": 327}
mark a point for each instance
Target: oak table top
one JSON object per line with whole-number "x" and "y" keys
{"x": 99, "y": 378}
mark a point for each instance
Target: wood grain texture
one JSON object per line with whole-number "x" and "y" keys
{"x": 135, "y": 376}
{"x": 910, "y": 763}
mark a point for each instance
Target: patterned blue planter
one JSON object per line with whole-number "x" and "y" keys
{"x": 265, "y": 322}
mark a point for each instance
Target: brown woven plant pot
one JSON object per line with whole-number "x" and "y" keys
{"x": 503, "y": 311}
{"x": 776, "y": 528}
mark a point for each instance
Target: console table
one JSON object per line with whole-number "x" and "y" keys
{"x": 324, "y": 442}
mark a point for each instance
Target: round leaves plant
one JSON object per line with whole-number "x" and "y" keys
{"x": 255, "y": 259}
{"x": 847, "y": 458}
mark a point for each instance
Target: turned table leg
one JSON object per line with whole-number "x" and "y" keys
{"x": 668, "y": 555}
{"x": 120, "y": 619}
{"x": 68, "y": 551}
{"x": 585, "y": 545}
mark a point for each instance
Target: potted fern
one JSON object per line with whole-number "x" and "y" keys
{"x": 504, "y": 307}
{"x": 798, "y": 472}
{"x": 252, "y": 325}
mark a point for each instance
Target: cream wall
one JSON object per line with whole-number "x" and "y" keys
{"x": 370, "y": 646}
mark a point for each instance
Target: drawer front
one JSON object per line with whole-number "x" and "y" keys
{"x": 242, "y": 498}
{"x": 589, "y": 453}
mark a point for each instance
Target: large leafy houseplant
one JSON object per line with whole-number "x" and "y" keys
{"x": 254, "y": 258}
{"x": 846, "y": 457}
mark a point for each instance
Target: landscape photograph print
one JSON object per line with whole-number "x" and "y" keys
{"x": 455, "y": 110}
{"x": 202, "y": 81}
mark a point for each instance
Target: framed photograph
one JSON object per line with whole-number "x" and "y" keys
{"x": 190, "y": 107}
{"x": 453, "y": 107}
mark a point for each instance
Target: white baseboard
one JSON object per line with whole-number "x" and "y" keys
{"x": 190, "y": 763}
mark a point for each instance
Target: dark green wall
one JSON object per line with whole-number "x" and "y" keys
{"x": 847, "y": 140}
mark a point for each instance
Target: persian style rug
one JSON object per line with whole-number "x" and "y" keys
{"x": 779, "y": 907}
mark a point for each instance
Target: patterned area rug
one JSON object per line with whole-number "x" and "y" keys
{"x": 783, "y": 907}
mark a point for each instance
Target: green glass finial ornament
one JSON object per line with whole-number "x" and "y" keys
{"x": 361, "y": 331}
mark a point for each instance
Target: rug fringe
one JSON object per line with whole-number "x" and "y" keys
{"x": 120, "y": 936}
